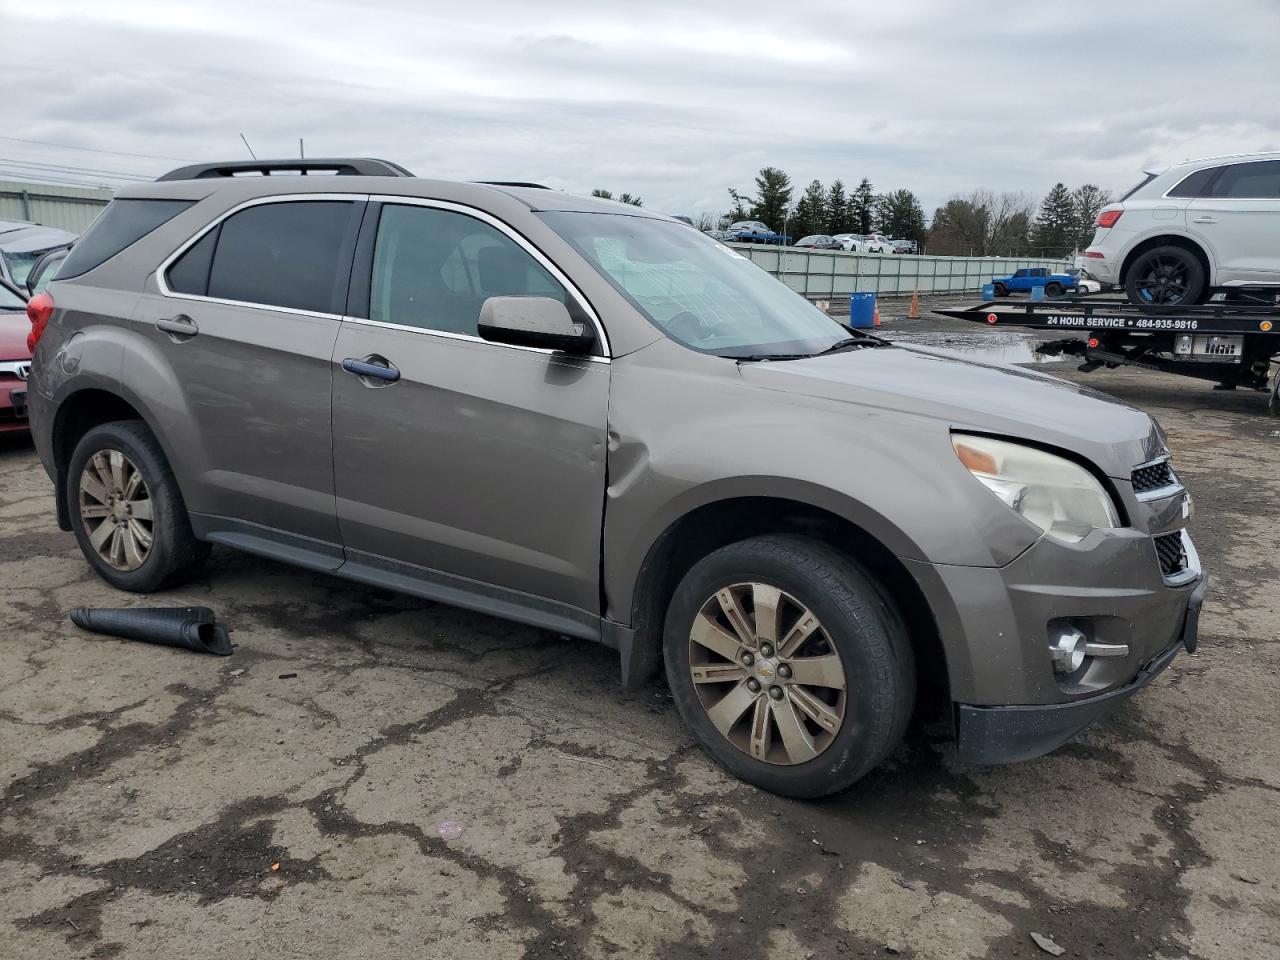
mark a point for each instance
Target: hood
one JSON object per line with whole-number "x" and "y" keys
{"x": 13, "y": 336}
{"x": 19, "y": 237}
{"x": 966, "y": 395}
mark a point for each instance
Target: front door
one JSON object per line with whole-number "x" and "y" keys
{"x": 242, "y": 327}
{"x": 480, "y": 467}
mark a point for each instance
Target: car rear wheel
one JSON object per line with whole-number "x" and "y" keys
{"x": 1053, "y": 290}
{"x": 127, "y": 513}
{"x": 792, "y": 669}
{"x": 1167, "y": 275}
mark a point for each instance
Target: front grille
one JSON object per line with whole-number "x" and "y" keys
{"x": 1173, "y": 557}
{"x": 1153, "y": 477}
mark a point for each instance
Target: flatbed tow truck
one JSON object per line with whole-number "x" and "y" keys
{"x": 1232, "y": 343}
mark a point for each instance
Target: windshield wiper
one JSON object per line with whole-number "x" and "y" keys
{"x": 848, "y": 343}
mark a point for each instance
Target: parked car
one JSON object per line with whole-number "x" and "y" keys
{"x": 753, "y": 231}
{"x": 878, "y": 243}
{"x": 527, "y": 403}
{"x": 1188, "y": 230}
{"x": 724, "y": 236}
{"x": 15, "y": 359}
{"x": 22, "y": 244}
{"x": 819, "y": 241}
{"x": 903, "y": 246}
{"x": 1027, "y": 278}
{"x": 856, "y": 243}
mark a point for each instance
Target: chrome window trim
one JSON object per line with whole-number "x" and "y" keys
{"x": 511, "y": 233}
{"x": 162, "y": 282}
{"x": 1219, "y": 166}
{"x": 447, "y": 335}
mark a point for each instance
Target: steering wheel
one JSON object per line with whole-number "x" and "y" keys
{"x": 686, "y": 325}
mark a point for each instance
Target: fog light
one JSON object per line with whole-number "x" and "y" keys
{"x": 1068, "y": 649}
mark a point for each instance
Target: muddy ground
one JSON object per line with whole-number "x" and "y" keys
{"x": 159, "y": 804}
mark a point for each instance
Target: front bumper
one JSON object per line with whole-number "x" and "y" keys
{"x": 989, "y": 735}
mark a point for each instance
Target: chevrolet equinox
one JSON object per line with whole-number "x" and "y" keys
{"x": 598, "y": 421}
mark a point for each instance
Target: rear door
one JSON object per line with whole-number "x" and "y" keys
{"x": 242, "y": 324}
{"x": 1238, "y": 219}
{"x": 481, "y": 465}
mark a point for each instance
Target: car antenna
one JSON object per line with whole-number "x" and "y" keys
{"x": 249, "y": 148}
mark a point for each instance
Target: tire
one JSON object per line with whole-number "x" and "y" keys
{"x": 1166, "y": 275}
{"x": 1001, "y": 290}
{"x": 150, "y": 508}
{"x": 865, "y": 719}
{"x": 1053, "y": 290}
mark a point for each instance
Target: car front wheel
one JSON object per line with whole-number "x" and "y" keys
{"x": 791, "y": 667}
{"x": 1001, "y": 290}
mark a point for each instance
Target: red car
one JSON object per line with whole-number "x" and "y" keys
{"x": 15, "y": 360}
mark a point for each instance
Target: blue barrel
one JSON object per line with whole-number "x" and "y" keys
{"x": 862, "y": 310}
{"x": 1037, "y": 293}
{"x": 988, "y": 291}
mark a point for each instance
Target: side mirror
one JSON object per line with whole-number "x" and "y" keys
{"x": 534, "y": 322}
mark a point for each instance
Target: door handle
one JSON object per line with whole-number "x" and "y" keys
{"x": 180, "y": 327}
{"x": 1204, "y": 220}
{"x": 372, "y": 368}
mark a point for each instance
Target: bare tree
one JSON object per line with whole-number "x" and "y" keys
{"x": 704, "y": 221}
{"x": 982, "y": 224}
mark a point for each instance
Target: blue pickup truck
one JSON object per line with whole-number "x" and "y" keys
{"x": 753, "y": 231}
{"x": 1055, "y": 284}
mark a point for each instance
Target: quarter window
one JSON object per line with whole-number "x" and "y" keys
{"x": 1193, "y": 184}
{"x": 1259, "y": 180}
{"x": 435, "y": 268}
{"x": 295, "y": 255}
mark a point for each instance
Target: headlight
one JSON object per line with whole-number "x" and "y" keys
{"x": 1058, "y": 496}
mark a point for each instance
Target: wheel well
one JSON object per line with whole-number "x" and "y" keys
{"x": 1166, "y": 240}
{"x": 719, "y": 524}
{"x": 76, "y": 416}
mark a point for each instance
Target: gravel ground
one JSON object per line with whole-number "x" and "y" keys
{"x": 159, "y": 804}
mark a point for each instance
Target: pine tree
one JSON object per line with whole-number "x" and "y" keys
{"x": 811, "y": 211}
{"x": 901, "y": 216}
{"x": 837, "y": 209}
{"x": 862, "y": 207}
{"x": 1055, "y": 229}
{"x": 739, "y": 209}
{"x": 773, "y": 197}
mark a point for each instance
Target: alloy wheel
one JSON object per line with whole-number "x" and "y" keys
{"x": 767, "y": 673}
{"x": 1164, "y": 280}
{"x": 116, "y": 509}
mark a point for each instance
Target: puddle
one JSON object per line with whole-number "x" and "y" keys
{"x": 984, "y": 347}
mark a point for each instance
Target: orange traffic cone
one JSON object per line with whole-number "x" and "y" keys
{"x": 876, "y": 321}
{"x": 914, "y": 312}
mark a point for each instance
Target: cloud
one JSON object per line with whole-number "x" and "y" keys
{"x": 672, "y": 101}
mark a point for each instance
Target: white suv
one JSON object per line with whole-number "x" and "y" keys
{"x": 1190, "y": 228}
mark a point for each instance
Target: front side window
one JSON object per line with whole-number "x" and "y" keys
{"x": 1259, "y": 180}
{"x": 435, "y": 268}
{"x": 698, "y": 292}
{"x": 10, "y": 300}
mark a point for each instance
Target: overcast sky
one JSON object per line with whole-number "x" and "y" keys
{"x": 674, "y": 101}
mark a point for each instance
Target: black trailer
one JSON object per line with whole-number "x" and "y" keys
{"x": 1233, "y": 344}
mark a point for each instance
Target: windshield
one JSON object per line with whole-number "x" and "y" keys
{"x": 10, "y": 300}
{"x": 20, "y": 264}
{"x": 698, "y": 292}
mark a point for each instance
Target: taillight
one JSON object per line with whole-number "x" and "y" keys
{"x": 39, "y": 310}
{"x": 1108, "y": 218}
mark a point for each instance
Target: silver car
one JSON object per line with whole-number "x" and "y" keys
{"x": 608, "y": 425}
{"x": 23, "y": 244}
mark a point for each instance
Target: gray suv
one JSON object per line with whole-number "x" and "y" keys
{"x": 600, "y": 422}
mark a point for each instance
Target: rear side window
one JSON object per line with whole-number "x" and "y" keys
{"x": 122, "y": 224}
{"x": 1147, "y": 178}
{"x": 1259, "y": 180}
{"x": 295, "y": 255}
{"x": 1193, "y": 184}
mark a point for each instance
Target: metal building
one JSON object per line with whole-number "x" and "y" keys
{"x": 68, "y": 208}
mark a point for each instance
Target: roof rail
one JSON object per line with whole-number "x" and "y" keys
{"x": 333, "y": 166}
{"x": 513, "y": 183}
